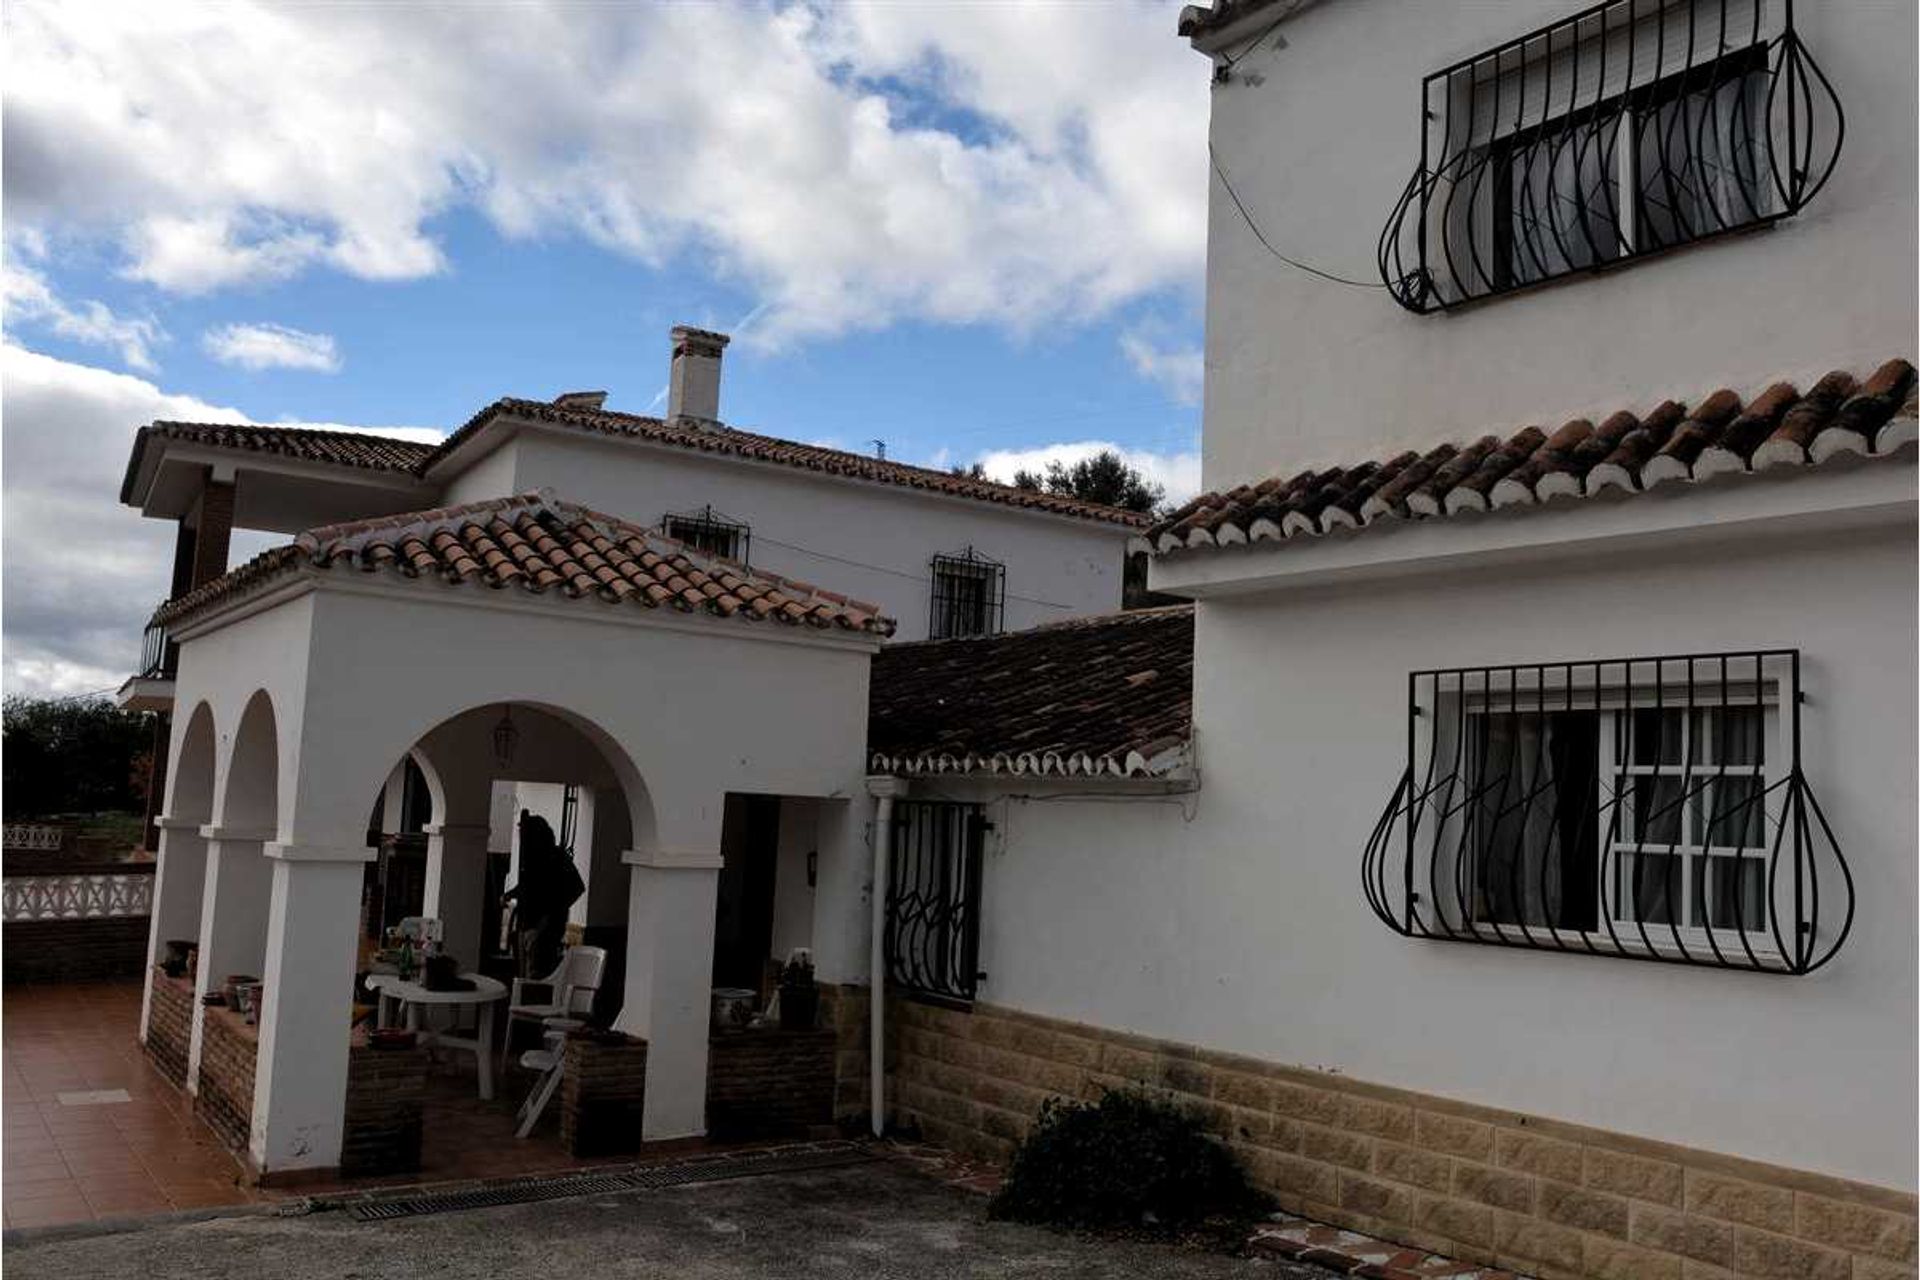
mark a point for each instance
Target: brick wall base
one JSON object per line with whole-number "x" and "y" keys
{"x": 75, "y": 950}
{"x": 229, "y": 1055}
{"x": 1555, "y": 1200}
{"x": 169, "y": 1025}
{"x": 769, "y": 1083}
{"x": 386, "y": 1102}
{"x": 602, "y": 1093}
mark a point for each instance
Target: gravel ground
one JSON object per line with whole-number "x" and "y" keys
{"x": 873, "y": 1221}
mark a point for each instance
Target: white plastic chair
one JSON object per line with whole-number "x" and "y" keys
{"x": 572, "y": 987}
{"x": 550, "y": 1062}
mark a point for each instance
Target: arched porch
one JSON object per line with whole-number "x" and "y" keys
{"x": 340, "y": 684}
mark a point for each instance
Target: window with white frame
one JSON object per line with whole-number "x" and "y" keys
{"x": 1590, "y": 820}
{"x": 1654, "y": 808}
{"x": 1626, "y": 128}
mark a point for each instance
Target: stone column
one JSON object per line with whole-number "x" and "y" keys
{"x": 456, "y": 886}
{"x": 300, "y": 1086}
{"x": 179, "y": 887}
{"x": 669, "y": 992}
{"x": 233, "y": 919}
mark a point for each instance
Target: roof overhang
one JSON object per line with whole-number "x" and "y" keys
{"x": 145, "y": 693}
{"x": 1210, "y": 31}
{"x": 279, "y": 494}
{"x": 1732, "y": 509}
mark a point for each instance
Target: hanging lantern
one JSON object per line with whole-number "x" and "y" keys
{"x": 505, "y": 738}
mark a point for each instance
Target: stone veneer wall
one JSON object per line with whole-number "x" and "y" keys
{"x": 1540, "y": 1196}
{"x": 386, "y": 1104}
{"x": 844, "y": 1008}
{"x": 169, "y": 1025}
{"x": 229, "y": 1054}
{"x": 768, "y": 1082}
{"x": 603, "y": 1088}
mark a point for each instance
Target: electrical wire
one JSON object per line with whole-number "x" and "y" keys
{"x": 1267, "y": 244}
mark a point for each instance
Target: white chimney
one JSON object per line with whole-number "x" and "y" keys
{"x": 693, "y": 386}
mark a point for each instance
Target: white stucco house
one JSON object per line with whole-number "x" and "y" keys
{"x": 1509, "y": 851}
{"x": 594, "y": 614}
{"x": 1539, "y": 884}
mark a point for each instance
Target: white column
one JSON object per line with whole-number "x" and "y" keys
{"x": 179, "y": 886}
{"x": 456, "y": 883}
{"x": 669, "y": 992}
{"x": 233, "y": 919}
{"x": 300, "y": 1085}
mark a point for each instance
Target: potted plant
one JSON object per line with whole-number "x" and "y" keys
{"x": 799, "y": 993}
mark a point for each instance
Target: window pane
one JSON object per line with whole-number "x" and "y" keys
{"x": 1730, "y": 893}
{"x": 1656, "y": 735}
{"x": 1737, "y": 735}
{"x": 1737, "y": 813}
{"x": 1656, "y": 810}
{"x": 1647, "y": 885}
{"x": 1536, "y": 819}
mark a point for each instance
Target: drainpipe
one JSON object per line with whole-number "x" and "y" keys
{"x": 883, "y": 790}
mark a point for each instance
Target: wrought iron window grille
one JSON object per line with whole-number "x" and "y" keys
{"x": 1628, "y": 129}
{"x": 933, "y": 899}
{"x": 708, "y": 531}
{"x": 969, "y": 596}
{"x": 1646, "y": 808}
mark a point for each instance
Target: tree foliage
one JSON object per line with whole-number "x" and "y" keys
{"x": 1104, "y": 478}
{"x": 72, "y": 756}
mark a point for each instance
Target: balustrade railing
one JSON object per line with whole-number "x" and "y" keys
{"x": 77, "y": 896}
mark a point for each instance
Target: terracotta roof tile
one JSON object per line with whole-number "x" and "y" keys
{"x": 715, "y": 438}
{"x": 535, "y": 543}
{"x": 356, "y": 449}
{"x": 582, "y": 411}
{"x": 1780, "y": 427}
{"x": 1108, "y": 696}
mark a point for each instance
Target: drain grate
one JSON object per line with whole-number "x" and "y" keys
{"x": 638, "y": 1178}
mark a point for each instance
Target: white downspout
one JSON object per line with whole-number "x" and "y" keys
{"x": 883, "y": 791}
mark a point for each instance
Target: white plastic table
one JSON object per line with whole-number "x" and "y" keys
{"x": 413, "y": 997}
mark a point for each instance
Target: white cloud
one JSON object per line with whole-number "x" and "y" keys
{"x": 28, "y": 297}
{"x": 1177, "y": 473}
{"x": 82, "y": 572}
{"x": 272, "y": 346}
{"x": 1180, "y": 371}
{"x": 849, "y": 165}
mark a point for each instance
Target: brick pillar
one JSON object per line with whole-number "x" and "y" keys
{"x": 213, "y": 533}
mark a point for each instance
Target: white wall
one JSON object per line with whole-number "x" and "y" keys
{"x": 1245, "y": 929}
{"x": 1301, "y": 372}
{"x": 793, "y": 897}
{"x": 872, "y": 542}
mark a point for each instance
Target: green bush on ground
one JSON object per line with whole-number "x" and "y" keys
{"x": 1129, "y": 1161}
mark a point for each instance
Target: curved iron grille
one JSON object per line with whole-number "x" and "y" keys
{"x": 1628, "y": 129}
{"x": 1647, "y": 808}
{"x": 933, "y": 898}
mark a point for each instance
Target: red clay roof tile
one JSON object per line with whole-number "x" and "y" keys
{"x": 536, "y": 542}
{"x": 1108, "y": 696}
{"x": 1780, "y": 427}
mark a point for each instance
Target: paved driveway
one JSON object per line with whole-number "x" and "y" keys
{"x": 871, "y": 1221}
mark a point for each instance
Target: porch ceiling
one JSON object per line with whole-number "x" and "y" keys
{"x": 536, "y": 543}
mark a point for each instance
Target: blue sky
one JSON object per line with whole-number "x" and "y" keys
{"x": 973, "y": 231}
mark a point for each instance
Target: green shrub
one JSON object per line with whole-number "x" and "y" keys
{"x": 1127, "y": 1161}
